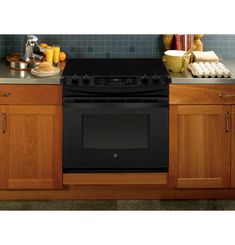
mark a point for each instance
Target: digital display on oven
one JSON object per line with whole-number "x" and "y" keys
{"x": 115, "y": 131}
{"x": 115, "y": 81}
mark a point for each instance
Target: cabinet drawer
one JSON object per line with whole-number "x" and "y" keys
{"x": 202, "y": 94}
{"x": 31, "y": 94}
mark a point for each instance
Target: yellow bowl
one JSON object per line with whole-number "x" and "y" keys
{"x": 176, "y": 60}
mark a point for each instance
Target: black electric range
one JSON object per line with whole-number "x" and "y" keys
{"x": 116, "y": 76}
{"x": 115, "y": 115}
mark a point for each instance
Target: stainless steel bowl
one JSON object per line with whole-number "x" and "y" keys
{"x": 22, "y": 65}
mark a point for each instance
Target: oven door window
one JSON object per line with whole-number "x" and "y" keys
{"x": 115, "y": 131}
{"x": 115, "y": 138}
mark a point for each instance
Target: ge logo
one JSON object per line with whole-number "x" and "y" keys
{"x": 115, "y": 155}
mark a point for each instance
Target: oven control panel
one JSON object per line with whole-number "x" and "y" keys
{"x": 115, "y": 81}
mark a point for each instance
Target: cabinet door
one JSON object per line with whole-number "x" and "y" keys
{"x": 3, "y": 148}
{"x": 200, "y": 146}
{"x": 32, "y": 136}
{"x": 233, "y": 148}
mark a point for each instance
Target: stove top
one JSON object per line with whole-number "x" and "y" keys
{"x": 115, "y": 73}
{"x": 116, "y": 77}
{"x": 114, "y": 67}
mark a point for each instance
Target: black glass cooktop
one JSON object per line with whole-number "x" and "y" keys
{"x": 114, "y": 67}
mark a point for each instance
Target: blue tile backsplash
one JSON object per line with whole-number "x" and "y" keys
{"x": 114, "y": 46}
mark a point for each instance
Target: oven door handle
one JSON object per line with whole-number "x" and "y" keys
{"x": 139, "y": 105}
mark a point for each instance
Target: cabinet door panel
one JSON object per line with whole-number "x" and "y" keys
{"x": 30, "y": 137}
{"x": 3, "y": 149}
{"x": 34, "y": 155}
{"x": 202, "y": 159}
{"x": 233, "y": 148}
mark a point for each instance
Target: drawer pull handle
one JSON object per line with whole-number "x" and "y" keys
{"x": 5, "y": 95}
{"x": 4, "y": 122}
{"x": 226, "y": 122}
{"x": 226, "y": 95}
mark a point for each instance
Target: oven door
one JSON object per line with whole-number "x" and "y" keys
{"x": 115, "y": 137}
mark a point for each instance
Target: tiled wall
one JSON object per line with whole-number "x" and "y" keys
{"x": 223, "y": 45}
{"x": 114, "y": 46}
{"x": 92, "y": 46}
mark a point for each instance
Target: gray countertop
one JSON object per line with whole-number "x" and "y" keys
{"x": 187, "y": 78}
{"x": 9, "y": 76}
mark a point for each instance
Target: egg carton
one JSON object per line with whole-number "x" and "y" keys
{"x": 206, "y": 69}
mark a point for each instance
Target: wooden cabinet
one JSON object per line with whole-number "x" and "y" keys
{"x": 200, "y": 146}
{"x": 22, "y": 94}
{"x": 30, "y": 152}
{"x": 202, "y": 136}
{"x": 233, "y": 146}
{"x": 4, "y": 148}
{"x": 202, "y": 94}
